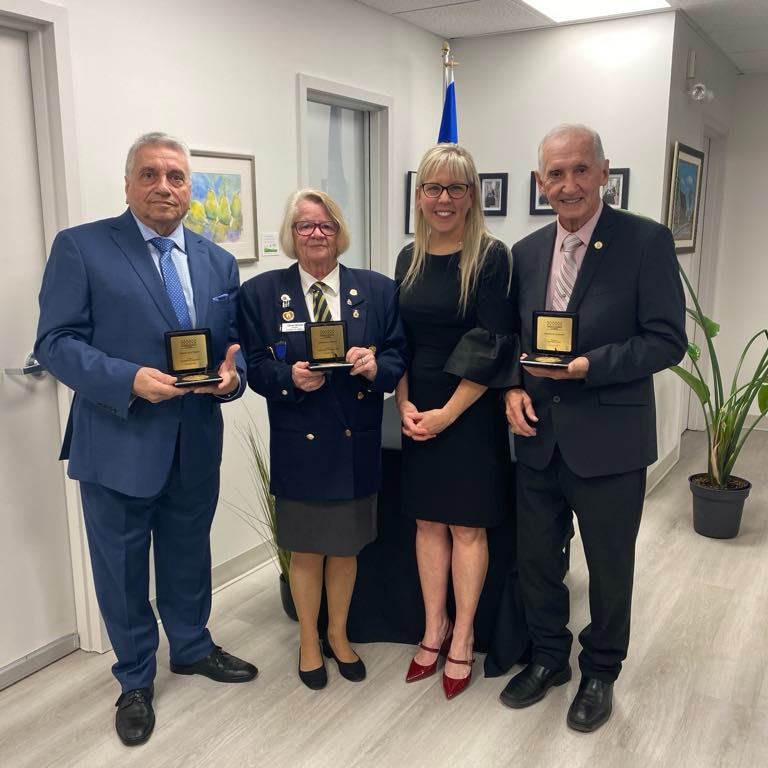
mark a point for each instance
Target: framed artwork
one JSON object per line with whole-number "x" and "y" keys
{"x": 223, "y": 203}
{"x": 493, "y": 193}
{"x": 410, "y": 202}
{"x": 684, "y": 196}
{"x": 616, "y": 192}
{"x": 538, "y": 204}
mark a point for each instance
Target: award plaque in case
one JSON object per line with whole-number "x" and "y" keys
{"x": 327, "y": 345}
{"x": 189, "y": 357}
{"x": 554, "y": 339}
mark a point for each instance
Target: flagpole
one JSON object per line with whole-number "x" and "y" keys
{"x": 448, "y": 125}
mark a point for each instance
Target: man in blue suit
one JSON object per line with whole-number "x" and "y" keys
{"x": 146, "y": 453}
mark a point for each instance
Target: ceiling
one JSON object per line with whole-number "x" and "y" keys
{"x": 737, "y": 27}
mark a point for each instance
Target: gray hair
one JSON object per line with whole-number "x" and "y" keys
{"x": 292, "y": 210}
{"x": 567, "y": 128}
{"x": 155, "y": 138}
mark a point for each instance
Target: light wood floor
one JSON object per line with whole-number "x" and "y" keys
{"x": 694, "y": 691}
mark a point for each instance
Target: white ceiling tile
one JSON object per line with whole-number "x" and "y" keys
{"x": 399, "y": 6}
{"x": 746, "y": 39}
{"x": 751, "y": 63}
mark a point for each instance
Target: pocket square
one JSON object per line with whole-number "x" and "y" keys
{"x": 221, "y": 297}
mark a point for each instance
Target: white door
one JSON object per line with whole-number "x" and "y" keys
{"x": 36, "y": 599}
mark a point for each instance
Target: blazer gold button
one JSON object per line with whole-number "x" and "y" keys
{"x": 360, "y": 395}
{"x": 310, "y": 436}
{"x": 348, "y": 432}
{"x": 285, "y": 392}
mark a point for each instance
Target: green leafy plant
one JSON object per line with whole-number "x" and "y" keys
{"x": 260, "y": 513}
{"x": 725, "y": 411}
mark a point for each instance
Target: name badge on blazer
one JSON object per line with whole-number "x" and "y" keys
{"x": 292, "y": 327}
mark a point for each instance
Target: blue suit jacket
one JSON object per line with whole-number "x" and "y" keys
{"x": 103, "y": 315}
{"x": 324, "y": 444}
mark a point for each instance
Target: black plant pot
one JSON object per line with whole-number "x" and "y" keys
{"x": 286, "y": 598}
{"x": 717, "y": 511}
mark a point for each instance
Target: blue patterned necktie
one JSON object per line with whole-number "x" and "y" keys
{"x": 171, "y": 280}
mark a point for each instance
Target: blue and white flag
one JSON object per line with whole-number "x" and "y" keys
{"x": 449, "y": 128}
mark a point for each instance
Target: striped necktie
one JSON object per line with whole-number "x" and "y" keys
{"x": 171, "y": 280}
{"x": 319, "y": 304}
{"x": 566, "y": 277}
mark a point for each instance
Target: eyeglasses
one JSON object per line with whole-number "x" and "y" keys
{"x": 307, "y": 228}
{"x": 455, "y": 191}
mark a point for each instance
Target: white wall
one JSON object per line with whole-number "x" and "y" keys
{"x": 223, "y": 77}
{"x": 611, "y": 75}
{"x": 742, "y": 270}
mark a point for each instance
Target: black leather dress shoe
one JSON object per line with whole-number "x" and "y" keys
{"x": 219, "y": 666}
{"x": 592, "y": 705}
{"x": 135, "y": 718}
{"x": 316, "y": 679}
{"x": 351, "y": 670}
{"x": 531, "y": 685}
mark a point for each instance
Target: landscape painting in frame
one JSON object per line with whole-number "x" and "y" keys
{"x": 222, "y": 206}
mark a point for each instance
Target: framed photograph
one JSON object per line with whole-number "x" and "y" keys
{"x": 493, "y": 193}
{"x": 616, "y": 192}
{"x": 684, "y": 196}
{"x": 223, "y": 204}
{"x": 410, "y": 202}
{"x": 538, "y": 205}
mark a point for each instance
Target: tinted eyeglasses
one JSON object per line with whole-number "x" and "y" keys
{"x": 455, "y": 191}
{"x": 306, "y": 228}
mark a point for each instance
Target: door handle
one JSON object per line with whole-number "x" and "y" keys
{"x": 31, "y": 367}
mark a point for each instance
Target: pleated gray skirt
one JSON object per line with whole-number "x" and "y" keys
{"x": 336, "y": 528}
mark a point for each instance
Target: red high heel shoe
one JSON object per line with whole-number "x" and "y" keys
{"x": 418, "y": 671}
{"x": 453, "y": 686}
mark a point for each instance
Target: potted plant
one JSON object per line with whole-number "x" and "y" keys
{"x": 718, "y": 496}
{"x": 260, "y": 515}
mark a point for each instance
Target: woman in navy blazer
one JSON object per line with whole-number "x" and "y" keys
{"x": 325, "y": 425}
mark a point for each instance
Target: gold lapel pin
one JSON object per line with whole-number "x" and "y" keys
{"x": 288, "y": 315}
{"x": 353, "y": 291}
{"x": 355, "y": 313}
{"x": 286, "y": 300}
{"x": 349, "y": 301}
{"x": 598, "y": 244}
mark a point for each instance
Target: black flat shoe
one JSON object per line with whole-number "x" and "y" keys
{"x": 531, "y": 685}
{"x": 219, "y": 666}
{"x": 351, "y": 670}
{"x": 135, "y": 718}
{"x": 316, "y": 679}
{"x": 592, "y": 705}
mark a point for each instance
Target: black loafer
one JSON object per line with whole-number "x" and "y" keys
{"x": 135, "y": 718}
{"x": 592, "y": 705}
{"x": 351, "y": 670}
{"x": 531, "y": 685}
{"x": 316, "y": 679}
{"x": 219, "y": 666}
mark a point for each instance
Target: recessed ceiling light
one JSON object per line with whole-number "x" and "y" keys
{"x": 577, "y": 10}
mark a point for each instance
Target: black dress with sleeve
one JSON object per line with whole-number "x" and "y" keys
{"x": 461, "y": 476}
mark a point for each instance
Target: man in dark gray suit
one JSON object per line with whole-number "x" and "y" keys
{"x": 586, "y": 434}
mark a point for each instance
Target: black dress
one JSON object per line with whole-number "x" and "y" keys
{"x": 461, "y": 476}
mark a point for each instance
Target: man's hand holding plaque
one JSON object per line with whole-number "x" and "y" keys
{"x": 189, "y": 358}
{"x": 554, "y": 340}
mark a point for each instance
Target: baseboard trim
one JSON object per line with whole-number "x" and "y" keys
{"x": 240, "y": 565}
{"x": 38, "y": 659}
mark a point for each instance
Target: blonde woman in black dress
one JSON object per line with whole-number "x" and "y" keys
{"x": 454, "y": 303}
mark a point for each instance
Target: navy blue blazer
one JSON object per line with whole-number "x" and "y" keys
{"x": 324, "y": 444}
{"x": 631, "y": 307}
{"x": 103, "y": 315}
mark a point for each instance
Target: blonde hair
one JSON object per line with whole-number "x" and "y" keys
{"x": 292, "y": 210}
{"x": 476, "y": 239}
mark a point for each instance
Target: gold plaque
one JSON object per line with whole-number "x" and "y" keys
{"x": 554, "y": 339}
{"x": 554, "y": 333}
{"x": 327, "y": 345}
{"x": 189, "y": 357}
